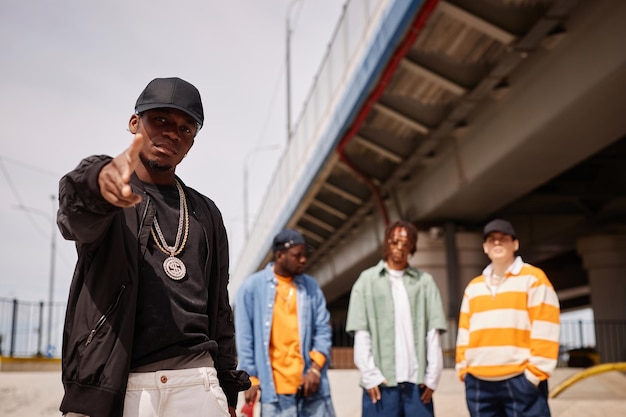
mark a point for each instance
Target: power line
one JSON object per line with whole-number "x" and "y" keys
{"x": 20, "y": 203}
{"x": 31, "y": 167}
{"x": 270, "y": 108}
{"x": 18, "y": 198}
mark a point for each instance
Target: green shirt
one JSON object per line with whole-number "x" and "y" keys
{"x": 371, "y": 308}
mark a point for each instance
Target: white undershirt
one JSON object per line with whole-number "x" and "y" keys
{"x": 406, "y": 358}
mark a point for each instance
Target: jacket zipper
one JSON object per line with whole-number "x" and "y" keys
{"x": 104, "y": 317}
{"x": 144, "y": 214}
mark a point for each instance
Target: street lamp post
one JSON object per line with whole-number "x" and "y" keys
{"x": 245, "y": 184}
{"x": 52, "y": 260}
{"x": 288, "y": 65}
{"x": 51, "y": 282}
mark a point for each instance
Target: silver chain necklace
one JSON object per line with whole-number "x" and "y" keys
{"x": 174, "y": 267}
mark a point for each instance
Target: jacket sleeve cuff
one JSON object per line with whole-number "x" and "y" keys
{"x": 318, "y": 358}
{"x": 232, "y": 382}
{"x": 372, "y": 378}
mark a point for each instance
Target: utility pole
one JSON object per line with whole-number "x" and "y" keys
{"x": 52, "y": 264}
{"x": 52, "y": 220}
{"x": 288, "y": 65}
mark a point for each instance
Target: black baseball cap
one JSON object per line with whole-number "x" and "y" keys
{"x": 499, "y": 225}
{"x": 286, "y": 239}
{"x": 171, "y": 93}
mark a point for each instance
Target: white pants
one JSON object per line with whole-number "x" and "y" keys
{"x": 184, "y": 392}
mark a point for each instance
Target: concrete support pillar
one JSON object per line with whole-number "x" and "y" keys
{"x": 431, "y": 257}
{"x": 604, "y": 258}
{"x": 470, "y": 260}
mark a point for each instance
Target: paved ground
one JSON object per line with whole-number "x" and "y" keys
{"x": 37, "y": 394}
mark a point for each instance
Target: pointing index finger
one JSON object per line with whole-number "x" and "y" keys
{"x": 132, "y": 153}
{"x": 130, "y": 161}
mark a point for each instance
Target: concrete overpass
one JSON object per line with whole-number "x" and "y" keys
{"x": 447, "y": 114}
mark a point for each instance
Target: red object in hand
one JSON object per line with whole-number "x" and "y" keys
{"x": 248, "y": 409}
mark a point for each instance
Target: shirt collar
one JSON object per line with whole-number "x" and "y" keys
{"x": 270, "y": 276}
{"x": 382, "y": 270}
{"x": 514, "y": 269}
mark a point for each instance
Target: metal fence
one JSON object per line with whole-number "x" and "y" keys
{"x": 582, "y": 342}
{"x": 30, "y": 328}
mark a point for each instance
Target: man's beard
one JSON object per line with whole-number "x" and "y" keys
{"x": 153, "y": 165}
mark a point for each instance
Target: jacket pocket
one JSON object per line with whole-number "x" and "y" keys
{"x": 97, "y": 346}
{"x": 105, "y": 316}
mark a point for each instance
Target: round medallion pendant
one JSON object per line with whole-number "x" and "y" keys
{"x": 174, "y": 268}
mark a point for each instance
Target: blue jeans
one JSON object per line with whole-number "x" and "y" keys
{"x": 288, "y": 406}
{"x": 399, "y": 401}
{"x": 513, "y": 397}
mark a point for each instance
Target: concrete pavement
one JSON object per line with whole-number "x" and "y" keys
{"x": 37, "y": 394}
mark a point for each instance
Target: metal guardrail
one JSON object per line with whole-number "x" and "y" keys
{"x": 23, "y": 328}
{"x": 345, "y": 53}
{"x": 582, "y": 342}
{"x": 23, "y": 333}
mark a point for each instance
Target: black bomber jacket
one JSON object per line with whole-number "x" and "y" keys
{"x": 99, "y": 322}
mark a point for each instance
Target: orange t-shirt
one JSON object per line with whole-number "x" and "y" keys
{"x": 287, "y": 362}
{"x": 284, "y": 350}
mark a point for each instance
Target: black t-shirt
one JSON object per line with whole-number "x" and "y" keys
{"x": 171, "y": 314}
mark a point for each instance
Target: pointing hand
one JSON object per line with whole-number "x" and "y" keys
{"x": 114, "y": 178}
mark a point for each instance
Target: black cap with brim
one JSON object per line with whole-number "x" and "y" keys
{"x": 286, "y": 239}
{"x": 499, "y": 225}
{"x": 171, "y": 93}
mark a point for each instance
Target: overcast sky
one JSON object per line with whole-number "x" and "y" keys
{"x": 71, "y": 71}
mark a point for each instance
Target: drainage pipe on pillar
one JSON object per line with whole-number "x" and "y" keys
{"x": 418, "y": 23}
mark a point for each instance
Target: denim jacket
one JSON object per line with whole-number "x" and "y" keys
{"x": 254, "y": 308}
